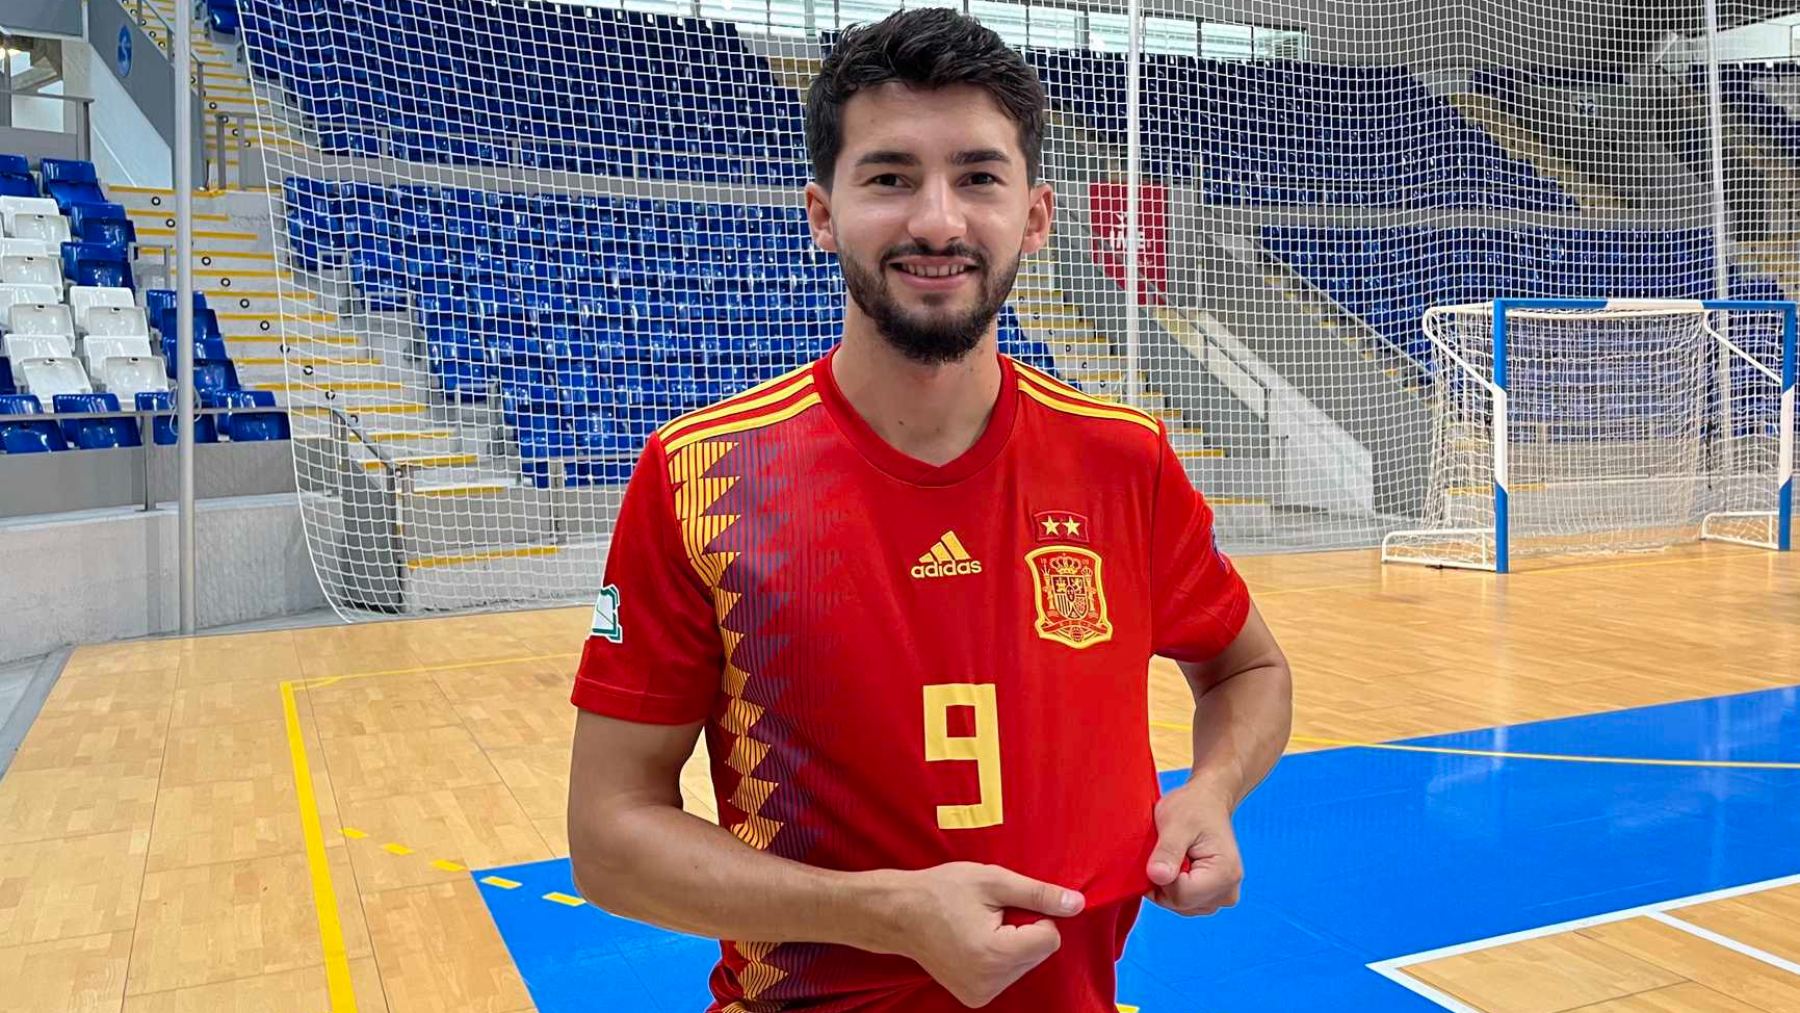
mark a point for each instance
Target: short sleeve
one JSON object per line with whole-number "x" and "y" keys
{"x": 1198, "y": 600}
{"x": 654, "y": 654}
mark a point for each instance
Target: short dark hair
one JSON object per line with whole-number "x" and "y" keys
{"x": 929, "y": 47}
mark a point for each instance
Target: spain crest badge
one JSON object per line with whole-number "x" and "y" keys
{"x": 1071, "y": 602}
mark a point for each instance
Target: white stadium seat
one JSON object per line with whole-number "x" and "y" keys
{"x": 52, "y": 229}
{"x": 85, "y": 297}
{"x": 25, "y": 248}
{"x": 128, "y": 376}
{"x": 40, "y": 318}
{"x": 12, "y": 207}
{"x": 117, "y": 322}
{"x": 31, "y": 271}
{"x": 12, "y": 295}
{"x": 96, "y": 349}
{"x": 48, "y": 377}
{"x": 20, "y": 347}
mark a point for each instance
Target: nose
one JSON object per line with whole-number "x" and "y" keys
{"x": 937, "y": 216}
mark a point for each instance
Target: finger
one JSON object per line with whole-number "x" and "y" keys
{"x": 1198, "y": 892}
{"x": 1028, "y": 945}
{"x": 1009, "y": 889}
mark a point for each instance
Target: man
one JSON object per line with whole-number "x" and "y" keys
{"x": 910, "y": 592}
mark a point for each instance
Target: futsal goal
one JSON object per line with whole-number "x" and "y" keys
{"x": 1586, "y": 426}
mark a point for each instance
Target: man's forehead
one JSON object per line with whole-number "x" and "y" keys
{"x": 928, "y": 121}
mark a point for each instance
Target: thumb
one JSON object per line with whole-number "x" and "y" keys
{"x": 1172, "y": 843}
{"x": 1009, "y": 889}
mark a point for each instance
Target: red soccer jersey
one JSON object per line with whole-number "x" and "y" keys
{"x": 901, "y": 665}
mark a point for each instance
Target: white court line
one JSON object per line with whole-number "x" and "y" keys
{"x": 1393, "y": 969}
{"x": 1729, "y": 943}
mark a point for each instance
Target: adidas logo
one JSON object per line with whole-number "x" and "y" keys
{"x": 947, "y": 558}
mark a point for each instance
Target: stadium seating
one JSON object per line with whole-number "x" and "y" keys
{"x": 578, "y": 83}
{"x": 106, "y": 224}
{"x": 27, "y": 436}
{"x": 11, "y": 208}
{"x": 15, "y": 177}
{"x": 1742, "y": 89}
{"x": 69, "y": 182}
{"x": 96, "y": 434}
{"x": 97, "y": 264}
{"x": 1388, "y": 276}
{"x": 572, "y": 311}
{"x": 83, "y": 299}
{"x": 45, "y": 227}
{"x": 41, "y": 319}
{"x": 1297, "y": 133}
{"x": 162, "y": 427}
{"x": 222, "y": 16}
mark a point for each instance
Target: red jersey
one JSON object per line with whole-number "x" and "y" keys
{"x": 901, "y": 665}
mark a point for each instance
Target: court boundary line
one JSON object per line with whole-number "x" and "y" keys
{"x": 1720, "y": 939}
{"x": 1394, "y": 968}
{"x": 340, "y": 994}
{"x": 1629, "y": 761}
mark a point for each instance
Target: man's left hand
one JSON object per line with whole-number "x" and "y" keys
{"x": 1194, "y": 822}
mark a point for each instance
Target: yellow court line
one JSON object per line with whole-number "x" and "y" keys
{"x": 1626, "y": 761}
{"x": 331, "y": 931}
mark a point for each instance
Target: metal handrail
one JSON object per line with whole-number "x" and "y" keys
{"x": 388, "y": 464}
{"x": 167, "y": 43}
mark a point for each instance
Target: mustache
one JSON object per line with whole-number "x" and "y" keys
{"x": 919, "y": 250}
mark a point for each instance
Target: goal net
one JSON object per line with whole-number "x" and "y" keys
{"x": 514, "y": 237}
{"x": 1580, "y": 427}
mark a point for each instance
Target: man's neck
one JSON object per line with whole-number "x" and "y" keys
{"x": 930, "y": 413}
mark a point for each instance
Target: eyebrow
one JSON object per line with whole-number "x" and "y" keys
{"x": 974, "y": 156}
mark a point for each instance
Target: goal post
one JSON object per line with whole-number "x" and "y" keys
{"x": 1586, "y": 426}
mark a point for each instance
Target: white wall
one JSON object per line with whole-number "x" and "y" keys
{"x": 1769, "y": 40}
{"x": 110, "y": 574}
{"x": 127, "y": 149}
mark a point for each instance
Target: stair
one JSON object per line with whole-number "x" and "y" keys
{"x": 1522, "y": 144}
{"x": 223, "y": 85}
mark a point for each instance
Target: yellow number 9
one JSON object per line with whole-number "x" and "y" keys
{"x": 983, "y": 747}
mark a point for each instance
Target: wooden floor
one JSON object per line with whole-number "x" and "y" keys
{"x": 182, "y": 809}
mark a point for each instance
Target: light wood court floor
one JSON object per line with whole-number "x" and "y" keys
{"x": 181, "y": 811}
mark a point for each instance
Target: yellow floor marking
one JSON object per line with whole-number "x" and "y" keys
{"x": 449, "y": 866}
{"x": 396, "y": 849}
{"x": 341, "y": 996}
{"x": 564, "y": 899}
{"x": 501, "y": 882}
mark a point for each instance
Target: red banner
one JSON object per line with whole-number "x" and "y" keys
{"x": 1106, "y": 218}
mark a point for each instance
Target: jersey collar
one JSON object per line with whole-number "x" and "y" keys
{"x": 885, "y": 458}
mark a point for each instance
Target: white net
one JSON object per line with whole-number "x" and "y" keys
{"x": 1624, "y": 428}
{"x": 539, "y": 230}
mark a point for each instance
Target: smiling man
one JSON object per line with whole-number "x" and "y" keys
{"x": 909, "y": 594}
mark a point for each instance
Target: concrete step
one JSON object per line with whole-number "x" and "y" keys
{"x": 208, "y": 240}
{"x": 501, "y": 572}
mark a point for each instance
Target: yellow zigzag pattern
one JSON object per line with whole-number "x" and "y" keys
{"x": 695, "y": 494}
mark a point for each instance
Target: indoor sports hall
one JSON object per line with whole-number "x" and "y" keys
{"x": 333, "y": 329}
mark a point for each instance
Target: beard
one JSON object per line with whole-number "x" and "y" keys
{"x": 934, "y": 337}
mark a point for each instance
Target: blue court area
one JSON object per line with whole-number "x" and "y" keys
{"x": 1354, "y": 855}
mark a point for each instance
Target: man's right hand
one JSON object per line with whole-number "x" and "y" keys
{"x": 950, "y": 923}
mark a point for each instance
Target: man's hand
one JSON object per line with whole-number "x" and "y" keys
{"x": 1194, "y": 823}
{"x": 950, "y": 923}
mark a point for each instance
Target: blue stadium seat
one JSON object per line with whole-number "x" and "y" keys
{"x": 27, "y": 437}
{"x": 163, "y": 429}
{"x": 253, "y": 426}
{"x": 106, "y": 224}
{"x": 97, "y": 264}
{"x": 71, "y": 182}
{"x": 222, "y": 16}
{"x": 96, "y": 434}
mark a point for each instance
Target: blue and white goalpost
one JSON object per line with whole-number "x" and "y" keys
{"x": 1580, "y": 426}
